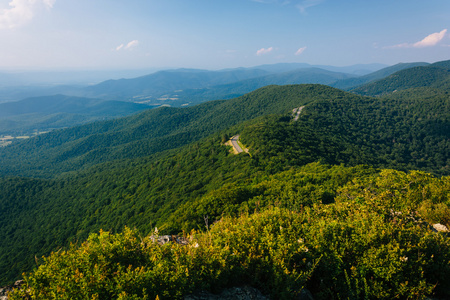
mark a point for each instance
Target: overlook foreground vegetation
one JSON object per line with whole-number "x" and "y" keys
{"x": 340, "y": 202}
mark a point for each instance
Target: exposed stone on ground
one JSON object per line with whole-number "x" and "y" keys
{"x": 440, "y": 228}
{"x": 305, "y": 295}
{"x": 5, "y": 290}
{"x": 164, "y": 239}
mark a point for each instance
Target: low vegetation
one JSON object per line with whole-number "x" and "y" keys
{"x": 374, "y": 241}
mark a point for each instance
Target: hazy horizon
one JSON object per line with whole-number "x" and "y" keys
{"x": 203, "y": 34}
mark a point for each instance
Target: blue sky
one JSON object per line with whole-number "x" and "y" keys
{"x": 216, "y": 34}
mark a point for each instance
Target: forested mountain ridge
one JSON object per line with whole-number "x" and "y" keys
{"x": 377, "y": 75}
{"x": 162, "y": 82}
{"x": 433, "y": 76}
{"x": 300, "y": 211}
{"x": 235, "y": 89}
{"x": 58, "y": 111}
{"x": 175, "y": 88}
{"x": 173, "y": 83}
{"x": 190, "y": 87}
{"x": 151, "y": 131}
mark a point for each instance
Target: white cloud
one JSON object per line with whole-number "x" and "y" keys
{"x": 429, "y": 41}
{"x": 21, "y": 12}
{"x": 129, "y": 46}
{"x": 300, "y": 50}
{"x": 132, "y": 44}
{"x": 263, "y": 51}
{"x": 49, "y": 3}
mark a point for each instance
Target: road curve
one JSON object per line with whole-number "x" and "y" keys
{"x": 296, "y": 112}
{"x": 235, "y": 144}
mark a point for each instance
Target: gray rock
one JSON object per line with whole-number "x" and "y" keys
{"x": 164, "y": 239}
{"x": 305, "y": 295}
{"x": 440, "y": 228}
{"x": 5, "y": 290}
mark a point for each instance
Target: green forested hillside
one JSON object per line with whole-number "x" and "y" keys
{"x": 403, "y": 132}
{"x": 350, "y": 83}
{"x": 433, "y": 76}
{"x": 150, "y": 132}
{"x": 59, "y": 111}
{"x": 354, "y": 232}
{"x": 316, "y": 203}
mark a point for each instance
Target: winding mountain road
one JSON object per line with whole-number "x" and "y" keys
{"x": 296, "y": 112}
{"x": 234, "y": 143}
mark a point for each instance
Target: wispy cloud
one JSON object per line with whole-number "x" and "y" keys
{"x": 429, "y": 41}
{"x": 20, "y": 12}
{"x": 300, "y": 51}
{"x": 304, "y": 5}
{"x": 131, "y": 45}
{"x": 283, "y": 2}
{"x": 49, "y": 3}
{"x": 263, "y": 51}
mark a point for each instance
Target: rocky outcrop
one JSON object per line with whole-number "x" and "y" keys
{"x": 5, "y": 290}
{"x": 440, "y": 228}
{"x": 164, "y": 239}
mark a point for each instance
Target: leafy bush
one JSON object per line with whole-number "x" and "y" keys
{"x": 262, "y": 250}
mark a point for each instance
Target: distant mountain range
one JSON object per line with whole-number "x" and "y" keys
{"x": 19, "y": 85}
{"x": 188, "y": 87}
{"x": 183, "y": 87}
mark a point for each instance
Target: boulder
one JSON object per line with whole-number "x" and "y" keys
{"x": 164, "y": 239}
{"x": 440, "y": 228}
{"x": 5, "y": 290}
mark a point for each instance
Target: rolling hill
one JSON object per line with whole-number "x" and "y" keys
{"x": 58, "y": 111}
{"x": 350, "y": 83}
{"x": 432, "y": 76}
{"x": 236, "y": 89}
{"x": 156, "y": 85}
{"x": 151, "y": 131}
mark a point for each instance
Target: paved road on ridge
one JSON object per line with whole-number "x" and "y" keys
{"x": 297, "y": 112}
{"x": 235, "y": 144}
